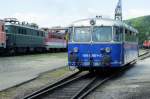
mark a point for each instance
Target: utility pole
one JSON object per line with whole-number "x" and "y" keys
{"x": 118, "y": 11}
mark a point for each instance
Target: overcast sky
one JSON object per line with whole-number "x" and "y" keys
{"x": 49, "y": 13}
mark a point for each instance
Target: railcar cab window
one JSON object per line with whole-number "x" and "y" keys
{"x": 102, "y": 34}
{"x": 82, "y": 34}
{"x": 117, "y": 34}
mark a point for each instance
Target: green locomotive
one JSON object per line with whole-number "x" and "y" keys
{"x": 23, "y": 37}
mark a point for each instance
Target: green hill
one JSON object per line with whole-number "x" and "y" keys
{"x": 142, "y": 24}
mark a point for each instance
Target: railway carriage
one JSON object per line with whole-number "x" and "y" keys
{"x": 146, "y": 44}
{"x": 55, "y": 39}
{"x": 99, "y": 43}
{"x": 23, "y": 37}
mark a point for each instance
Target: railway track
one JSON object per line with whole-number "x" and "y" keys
{"x": 65, "y": 88}
{"x": 144, "y": 55}
{"x": 76, "y": 86}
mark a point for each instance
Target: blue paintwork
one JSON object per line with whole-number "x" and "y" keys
{"x": 130, "y": 52}
{"x": 121, "y": 53}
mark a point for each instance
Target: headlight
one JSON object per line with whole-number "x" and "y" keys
{"x": 75, "y": 49}
{"x": 108, "y": 50}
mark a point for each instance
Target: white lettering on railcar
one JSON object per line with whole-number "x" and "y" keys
{"x": 93, "y": 55}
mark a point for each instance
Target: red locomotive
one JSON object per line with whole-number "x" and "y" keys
{"x": 56, "y": 39}
{"x": 146, "y": 44}
{"x": 2, "y": 35}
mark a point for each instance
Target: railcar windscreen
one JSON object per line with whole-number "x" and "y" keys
{"x": 82, "y": 34}
{"x": 102, "y": 34}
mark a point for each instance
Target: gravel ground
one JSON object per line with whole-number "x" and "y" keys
{"x": 46, "y": 78}
{"x": 133, "y": 84}
{"x": 19, "y": 69}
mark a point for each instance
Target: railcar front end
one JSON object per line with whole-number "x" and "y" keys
{"x": 86, "y": 56}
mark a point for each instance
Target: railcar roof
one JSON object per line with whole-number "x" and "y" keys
{"x": 102, "y": 22}
{"x": 24, "y": 26}
{"x": 1, "y": 21}
{"x": 58, "y": 28}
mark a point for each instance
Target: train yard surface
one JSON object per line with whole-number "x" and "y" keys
{"x": 133, "y": 84}
{"x": 24, "y": 68}
{"x": 19, "y": 69}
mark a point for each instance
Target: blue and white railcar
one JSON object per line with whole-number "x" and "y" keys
{"x": 101, "y": 43}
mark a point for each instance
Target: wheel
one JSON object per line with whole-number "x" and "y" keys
{"x": 91, "y": 70}
{"x": 12, "y": 51}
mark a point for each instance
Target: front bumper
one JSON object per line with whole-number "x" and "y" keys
{"x": 86, "y": 64}
{"x": 94, "y": 64}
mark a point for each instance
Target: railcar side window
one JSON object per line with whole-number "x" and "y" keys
{"x": 130, "y": 36}
{"x": 102, "y": 34}
{"x": 38, "y": 33}
{"x": 82, "y": 34}
{"x": 24, "y": 31}
{"x": 43, "y": 34}
{"x": 6, "y": 29}
{"x": 118, "y": 34}
{"x": 10, "y": 30}
{"x": 19, "y": 31}
{"x": 127, "y": 35}
{"x": 135, "y": 37}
